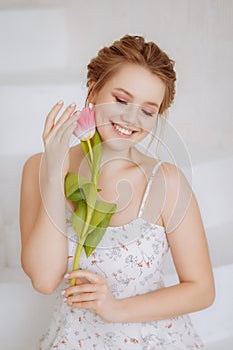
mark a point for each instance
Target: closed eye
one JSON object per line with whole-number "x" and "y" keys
{"x": 124, "y": 102}
{"x": 121, "y": 101}
{"x": 148, "y": 113}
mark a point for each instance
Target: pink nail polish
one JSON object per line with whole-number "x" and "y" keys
{"x": 67, "y": 275}
{"x": 60, "y": 102}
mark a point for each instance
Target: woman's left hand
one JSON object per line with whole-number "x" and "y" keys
{"x": 95, "y": 295}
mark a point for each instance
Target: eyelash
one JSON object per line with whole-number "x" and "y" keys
{"x": 121, "y": 101}
{"x": 125, "y": 103}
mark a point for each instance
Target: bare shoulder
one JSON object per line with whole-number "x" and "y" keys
{"x": 178, "y": 195}
{"x": 170, "y": 170}
{"x": 33, "y": 160}
{"x": 174, "y": 177}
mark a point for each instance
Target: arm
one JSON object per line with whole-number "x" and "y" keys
{"x": 186, "y": 237}
{"x": 42, "y": 204}
{"x": 44, "y": 245}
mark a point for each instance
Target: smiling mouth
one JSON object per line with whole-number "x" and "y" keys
{"x": 120, "y": 130}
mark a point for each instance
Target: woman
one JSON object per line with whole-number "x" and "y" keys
{"x": 119, "y": 300}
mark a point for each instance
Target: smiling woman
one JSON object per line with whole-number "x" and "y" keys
{"x": 127, "y": 106}
{"x": 119, "y": 300}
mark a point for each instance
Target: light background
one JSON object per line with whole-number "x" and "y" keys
{"x": 44, "y": 49}
{"x": 46, "y": 45}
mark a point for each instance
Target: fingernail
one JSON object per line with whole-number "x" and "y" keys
{"x": 72, "y": 104}
{"x": 67, "y": 275}
{"x": 60, "y": 102}
{"x": 64, "y": 299}
{"x": 63, "y": 292}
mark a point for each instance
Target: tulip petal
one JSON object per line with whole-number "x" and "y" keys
{"x": 85, "y": 125}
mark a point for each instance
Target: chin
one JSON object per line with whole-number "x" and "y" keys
{"x": 116, "y": 144}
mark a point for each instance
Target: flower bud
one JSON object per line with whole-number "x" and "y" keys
{"x": 85, "y": 125}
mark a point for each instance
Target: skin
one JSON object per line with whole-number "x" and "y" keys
{"x": 121, "y": 160}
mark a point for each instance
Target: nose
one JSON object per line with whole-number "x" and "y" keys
{"x": 131, "y": 116}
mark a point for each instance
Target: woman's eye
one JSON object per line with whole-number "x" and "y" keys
{"x": 121, "y": 101}
{"x": 150, "y": 114}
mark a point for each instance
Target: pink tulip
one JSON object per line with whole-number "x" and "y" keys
{"x": 85, "y": 125}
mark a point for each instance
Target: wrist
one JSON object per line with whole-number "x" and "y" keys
{"x": 121, "y": 313}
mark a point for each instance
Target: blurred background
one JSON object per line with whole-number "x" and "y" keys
{"x": 45, "y": 47}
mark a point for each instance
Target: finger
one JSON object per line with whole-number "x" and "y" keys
{"x": 82, "y": 288}
{"x": 79, "y": 281}
{"x": 89, "y": 275}
{"x": 66, "y": 129}
{"x": 85, "y": 305}
{"x": 66, "y": 114}
{"x": 66, "y": 134}
{"x": 71, "y": 122}
{"x": 49, "y": 122}
{"x": 78, "y": 298}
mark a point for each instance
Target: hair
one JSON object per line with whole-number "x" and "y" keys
{"x": 135, "y": 50}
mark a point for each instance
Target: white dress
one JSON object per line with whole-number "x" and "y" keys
{"x": 130, "y": 257}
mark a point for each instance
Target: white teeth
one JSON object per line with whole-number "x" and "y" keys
{"x": 122, "y": 130}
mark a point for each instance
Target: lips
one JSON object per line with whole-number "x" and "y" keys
{"x": 119, "y": 129}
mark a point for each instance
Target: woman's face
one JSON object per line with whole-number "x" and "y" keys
{"x": 126, "y": 107}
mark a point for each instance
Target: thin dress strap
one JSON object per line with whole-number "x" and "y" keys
{"x": 148, "y": 187}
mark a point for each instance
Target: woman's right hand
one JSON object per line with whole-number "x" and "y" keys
{"x": 56, "y": 136}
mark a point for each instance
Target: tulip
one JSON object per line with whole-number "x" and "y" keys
{"x": 85, "y": 125}
{"x": 91, "y": 216}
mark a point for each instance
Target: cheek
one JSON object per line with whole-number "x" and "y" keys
{"x": 105, "y": 112}
{"x": 148, "y": 125}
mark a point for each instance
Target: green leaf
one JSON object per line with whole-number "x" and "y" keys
{"x": 96, "y": 235}
{"x": 96, "y": 139}
{"x": 100, "y": 211}
{"x": 77, "y": 195}
{"x": 105, "y": 207}
{"x": 89, "y": 190}
{"x": 78, "y": 219}
{"x": 72, "y": 182}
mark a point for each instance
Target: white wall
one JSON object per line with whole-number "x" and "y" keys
{"x": 45, "y": 46}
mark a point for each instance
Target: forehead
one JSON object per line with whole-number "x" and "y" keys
{"x": 139, "y": 81}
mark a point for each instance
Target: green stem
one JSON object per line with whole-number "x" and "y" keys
{"x": 76, "y": 261}
{"x": 94, "y": 179}
{"x": 90, "y": 149}
{"x": 80, "y": 245}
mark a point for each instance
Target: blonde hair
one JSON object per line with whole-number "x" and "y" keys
{"x": 132, "y": 49}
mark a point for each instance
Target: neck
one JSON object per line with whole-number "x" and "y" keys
{"x": 121, "y": 158}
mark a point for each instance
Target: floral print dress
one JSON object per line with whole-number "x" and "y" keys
{"x": 130, "y": 257}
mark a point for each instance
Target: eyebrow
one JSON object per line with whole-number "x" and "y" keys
{"x": 130, "y": 95}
